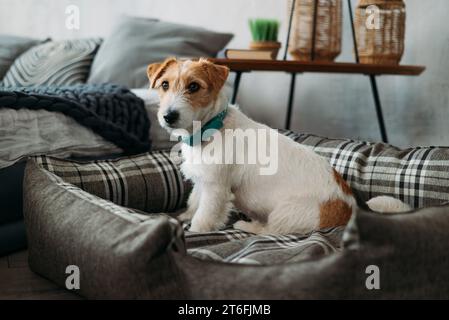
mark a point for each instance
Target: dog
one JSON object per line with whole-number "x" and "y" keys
{"x": 304, "y": 194}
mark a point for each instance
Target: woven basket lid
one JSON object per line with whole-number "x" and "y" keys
{"x": 365, "y": 3}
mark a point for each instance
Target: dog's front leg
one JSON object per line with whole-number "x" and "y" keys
{"x": 212, "y": 213}
{"x": 192, "y": 204}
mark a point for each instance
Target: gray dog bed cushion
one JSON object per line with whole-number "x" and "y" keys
{"x": 114, "y": 247}
{"x": 123, "y": 253}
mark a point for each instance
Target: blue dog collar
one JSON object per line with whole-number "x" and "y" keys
{"x": 214, "y": 123}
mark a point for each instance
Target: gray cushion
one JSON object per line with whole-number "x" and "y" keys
{"x": 10, "y": 48}
{"x": 136, "y": 42}
{"x": 115, "y": 248}
{"x": 63, "y": 62}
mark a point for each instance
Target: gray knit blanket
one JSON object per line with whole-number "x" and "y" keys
{"x": 111, "y": 111}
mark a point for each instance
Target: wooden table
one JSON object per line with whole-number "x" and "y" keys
{"x": 295, "y": 67}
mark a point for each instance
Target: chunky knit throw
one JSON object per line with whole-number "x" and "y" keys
{"x": 111, "y": 111}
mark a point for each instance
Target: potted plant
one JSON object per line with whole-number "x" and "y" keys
{"x": 265, "y": 34}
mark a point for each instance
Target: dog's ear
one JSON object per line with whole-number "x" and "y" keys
{"x": 217, "y": 73}
{"x": 156, "y": 70}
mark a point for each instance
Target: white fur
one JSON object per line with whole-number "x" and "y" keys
{"x": 286, "y": 202}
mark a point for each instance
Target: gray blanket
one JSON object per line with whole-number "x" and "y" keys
{"x": 111, "y": 111}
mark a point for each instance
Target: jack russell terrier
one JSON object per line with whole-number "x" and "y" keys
{"x": 304, "y": 194}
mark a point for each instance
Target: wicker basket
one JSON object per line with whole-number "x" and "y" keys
{"x": 386, "y": 44}
{"x": 327, "y": 35}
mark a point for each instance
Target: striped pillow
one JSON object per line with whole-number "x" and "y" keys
{"x": 150, "y": 182}
{"x": 53, "y": 63}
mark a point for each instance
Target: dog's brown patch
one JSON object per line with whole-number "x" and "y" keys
{"x": 334, "y": 213}
{"x": 157, "y": 70}
{"x": 180, "y": 74}
{"x": 342, "y": 183}
{"x": 217, "y": 74}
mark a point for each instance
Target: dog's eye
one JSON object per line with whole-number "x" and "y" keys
{"x": 165, "y": 85}
{"x": 193, "y": 87}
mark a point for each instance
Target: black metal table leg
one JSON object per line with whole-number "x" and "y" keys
{"x": 378, "y": 105}
{"x": 238, "y": 76}
{"x": 290, "y": 20}
{"x": 354, "y": 38}
{"x": 372, "y": 78}
{"x": 291, "y": 97}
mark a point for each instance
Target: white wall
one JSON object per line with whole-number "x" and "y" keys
{"x": 416, "y": 109}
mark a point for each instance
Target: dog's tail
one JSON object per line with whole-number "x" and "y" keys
{"x": 382, "y": 204}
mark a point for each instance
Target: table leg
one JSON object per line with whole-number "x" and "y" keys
{"x": 238, "y": 76}
{"x": 291, "y": 98}
{"x": 354, "y": 39}
{"x": 378, "y": 105}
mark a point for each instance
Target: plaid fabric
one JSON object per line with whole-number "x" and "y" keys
{"x": 149, "y": 182}
{"x": 127, "y": 214}
{"x": 236, "y": 246}
{"x": 418, "y": 176}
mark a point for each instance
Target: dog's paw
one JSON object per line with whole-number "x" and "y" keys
{"x": 196, "y": 227}
{"x": 205, "y": 223}
{"x": 248, "y": 226}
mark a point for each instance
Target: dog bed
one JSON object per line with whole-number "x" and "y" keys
{"x": 106, "y": 218}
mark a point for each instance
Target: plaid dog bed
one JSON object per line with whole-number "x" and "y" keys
{"x": 228, "y": 245}
{"x": 71, "y": 218}
{"x": 417, "y": 176}
{"x": 152, "y": 183}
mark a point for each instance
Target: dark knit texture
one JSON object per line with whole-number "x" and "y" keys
{"x": 111, "y": 111}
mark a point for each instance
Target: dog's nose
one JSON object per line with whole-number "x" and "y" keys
{"x": 171, "y": 117}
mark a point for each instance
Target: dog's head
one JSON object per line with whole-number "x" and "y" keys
{"x": 187, "y": 89}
